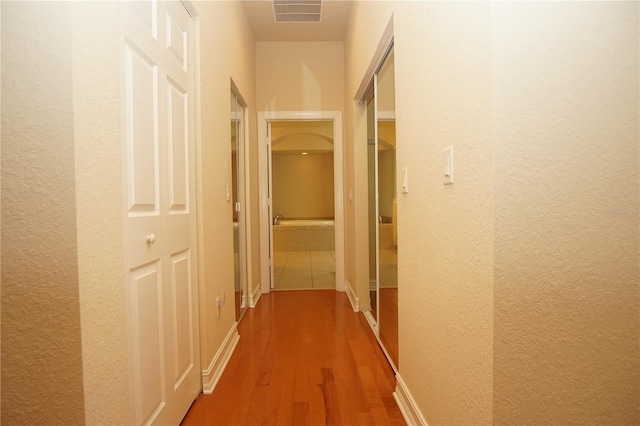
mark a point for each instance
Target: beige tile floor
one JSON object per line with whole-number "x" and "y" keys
{"x": 388, "y": 268}
{"x": 299, "y": 270}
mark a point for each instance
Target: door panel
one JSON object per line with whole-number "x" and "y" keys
{"x": 178, "y": 150}
{"x": 142, "y": 136}
{"x": 177, "y": 41}
{"x": 146, "y": 293}
{"x": 158, "y": 183}
{"x": 182, "y": 313}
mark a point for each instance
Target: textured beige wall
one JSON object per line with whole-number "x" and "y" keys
{"x": 565, "y": 104}
{"x": 227, "y": 51}
{"x": 302, "y": 185}
{"x": 300, "y": 76}
{"x": 445, "y": 232}
{"x": 96, "y": 101}
{"x": 74, "y": 127}
{"x": 540, "y": 101}
{"x": 41, "y": 352}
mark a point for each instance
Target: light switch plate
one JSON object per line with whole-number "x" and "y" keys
{"x": 405, "y": 180}
{"x": 448, "y": 165}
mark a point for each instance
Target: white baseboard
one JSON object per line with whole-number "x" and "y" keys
{"x": 253, "y": 298}
{"x": 211, "y": 375}
{"x": 355, "y": 301}
{"x": 407, "y": 404}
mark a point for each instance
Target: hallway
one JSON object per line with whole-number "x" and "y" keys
{"x": 516, "y": 190}
{"x": 323, "y": 368}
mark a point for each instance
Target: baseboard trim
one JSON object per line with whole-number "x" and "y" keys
{"x": 407, "y": 404}
{"x": 211, "y": 375}
{"x": 255, "y": 296}
{"x": 355, "y": 301}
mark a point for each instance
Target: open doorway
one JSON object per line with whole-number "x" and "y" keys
{"x": 303, "y": 225}
{"x": 301, "y": 179}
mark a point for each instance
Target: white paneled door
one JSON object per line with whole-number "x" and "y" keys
{"x": 157, "y": 79}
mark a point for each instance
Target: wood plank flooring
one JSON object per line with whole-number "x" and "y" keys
{"x": 304, "y": 358}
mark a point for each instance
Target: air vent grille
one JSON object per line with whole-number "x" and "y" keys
{"x": 297, "y": 11}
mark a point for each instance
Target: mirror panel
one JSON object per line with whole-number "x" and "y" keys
{"x": 387, "y": 209}
{"x": 373, "y": 213}
{"x": 237, "y": 142}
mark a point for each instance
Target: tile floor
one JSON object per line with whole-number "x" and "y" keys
{"x": 299, "y": 270}
{"x": 388, "y": 268}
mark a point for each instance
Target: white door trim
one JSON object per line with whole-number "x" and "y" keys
{"x": 264, "y": 118}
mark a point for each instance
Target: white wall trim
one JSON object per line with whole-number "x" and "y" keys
{"x": 407, "y": 404}
{"x": 355, "y": 300}
{"x": 211, "y": 375}
{"x": 255, "y": 296}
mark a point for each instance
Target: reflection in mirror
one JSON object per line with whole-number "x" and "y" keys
{"x": 373, "y": 214}
{"x": 237, "y": 132}
{"x": 387, "y": 210}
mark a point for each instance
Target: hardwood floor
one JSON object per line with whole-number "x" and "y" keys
{"x": 304, "y": 358}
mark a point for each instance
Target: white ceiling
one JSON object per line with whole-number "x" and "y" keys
{"x": 332, "y": 27}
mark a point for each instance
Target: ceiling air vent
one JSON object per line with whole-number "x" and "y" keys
{"x": 297, "y": 11}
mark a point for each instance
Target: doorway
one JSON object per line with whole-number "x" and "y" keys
{"x": 281, "y": 249}
{"x": 303, "y": 224}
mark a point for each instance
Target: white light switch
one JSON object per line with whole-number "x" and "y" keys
{"x": 228, "y": 192}
{"x": 405, "y": 180}
{"x": 448, "y": 165}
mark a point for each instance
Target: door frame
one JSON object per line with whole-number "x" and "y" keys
{"x": 266, "y": 232}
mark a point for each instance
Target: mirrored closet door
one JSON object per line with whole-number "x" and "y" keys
{"x": 383, "y": 217}
{"x": 236, "y": 196}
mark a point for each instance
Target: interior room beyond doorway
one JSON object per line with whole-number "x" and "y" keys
{"x": 303, "y": 205}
